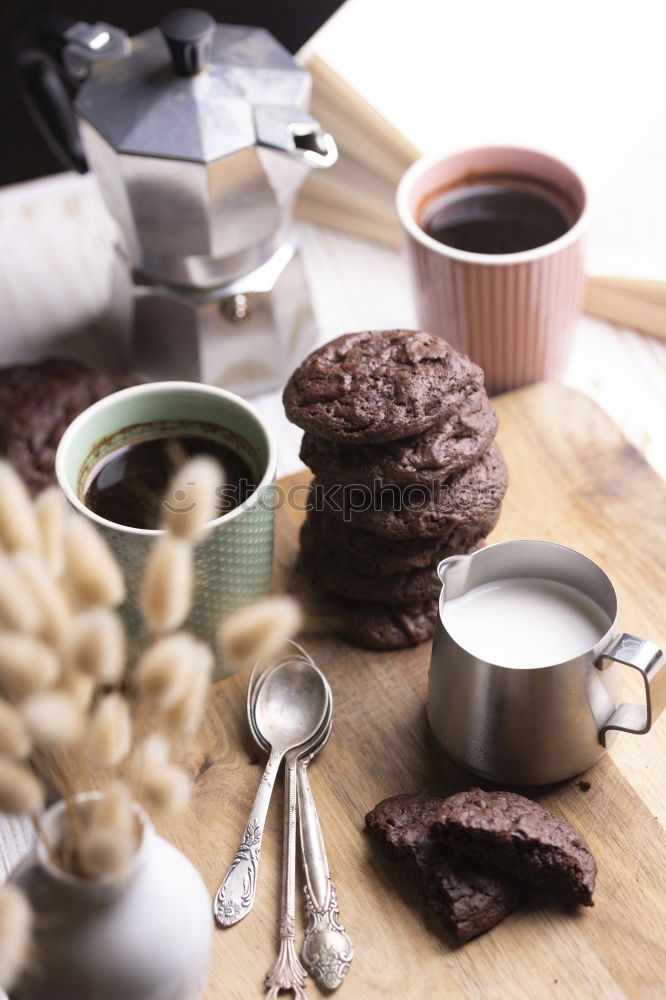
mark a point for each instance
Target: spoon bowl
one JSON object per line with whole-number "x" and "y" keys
{"x": 257, "y": 681}
{"x": 290, "y": 705}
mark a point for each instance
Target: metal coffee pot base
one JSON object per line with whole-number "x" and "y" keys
{"x": 246, "y": 336}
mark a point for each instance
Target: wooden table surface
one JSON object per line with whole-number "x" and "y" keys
{"x": 574, "y": 479}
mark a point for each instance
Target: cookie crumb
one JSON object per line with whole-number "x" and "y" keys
{"x": 584, "y": 786}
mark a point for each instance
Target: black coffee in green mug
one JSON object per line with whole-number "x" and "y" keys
{"x": 130, "y": 485}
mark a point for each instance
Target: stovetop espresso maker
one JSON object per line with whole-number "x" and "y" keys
{"x": 199, "y": 136}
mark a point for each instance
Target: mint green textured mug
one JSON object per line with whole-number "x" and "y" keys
{"x": 233, "y": 562}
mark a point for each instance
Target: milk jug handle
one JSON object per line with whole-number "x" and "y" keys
{"x": 648, "y": 659}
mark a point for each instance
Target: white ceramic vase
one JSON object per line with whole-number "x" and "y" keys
{"x": 146, "y": 936}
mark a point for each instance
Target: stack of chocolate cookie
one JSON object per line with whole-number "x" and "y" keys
{"x": 399, "y": 434}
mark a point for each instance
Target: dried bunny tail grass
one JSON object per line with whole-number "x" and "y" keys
{"x": 50, "y": 511}
{"x": 114, "y": 809}
{"x": 14, "y": 737}
{"x": 47, "y": 596}
{"x": 20, "y": 791}
{"x": 18, "y": 608}
{"x": 166, "y": 791}
{"x": 80, "y": 687}
{"x": 54, "y": 719}
{"x": 18, "y": 522}
{"x": 184, "y": 715}
{"x": 154, "y": 750}
{"x": 104, "y": 852}
{"x": 16, "y": 921}
{"x": 196, "y": 486}
{"x": 96, "y": 645}
{"x": 258, "y": 630}
{"x": 26, "y": 664}
{"x": 109, "y": 736}
{"x": 166, "y": 591}
{"x": 161, "y": 785}
{"x": 90, "y": 567}
{"x": 162, "y": 672}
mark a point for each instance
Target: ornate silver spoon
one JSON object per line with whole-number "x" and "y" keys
{"x": 289, "y": 709}
{"x": 327, "y": 949}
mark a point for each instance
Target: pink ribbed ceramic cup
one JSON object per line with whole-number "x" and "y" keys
{"x": 514, "y": 314}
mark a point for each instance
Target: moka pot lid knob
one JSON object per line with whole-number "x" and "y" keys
{"x": 189, "y": 34}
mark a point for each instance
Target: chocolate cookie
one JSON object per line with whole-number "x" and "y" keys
{"x": 20, "y": 381}
{"x": 469, "y": 899}
{"x": 400, "y": 589}
{"x": 471, "y": 496}
{"x": 369, "y": 553}
{"x": 519, "y": 836}
{"x": 378, "y": 386}
{"x": 381, "y": 626}
{"x": 34, "y": 431}
{"x": 455, "y": 443}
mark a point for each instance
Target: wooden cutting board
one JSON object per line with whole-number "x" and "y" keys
{"x": 575, "y": 480}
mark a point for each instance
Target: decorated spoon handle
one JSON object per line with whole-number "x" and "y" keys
{"x": 235, "y": 896}
{"x": 327, "y": 948}
{"x": 287, "y": 973}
